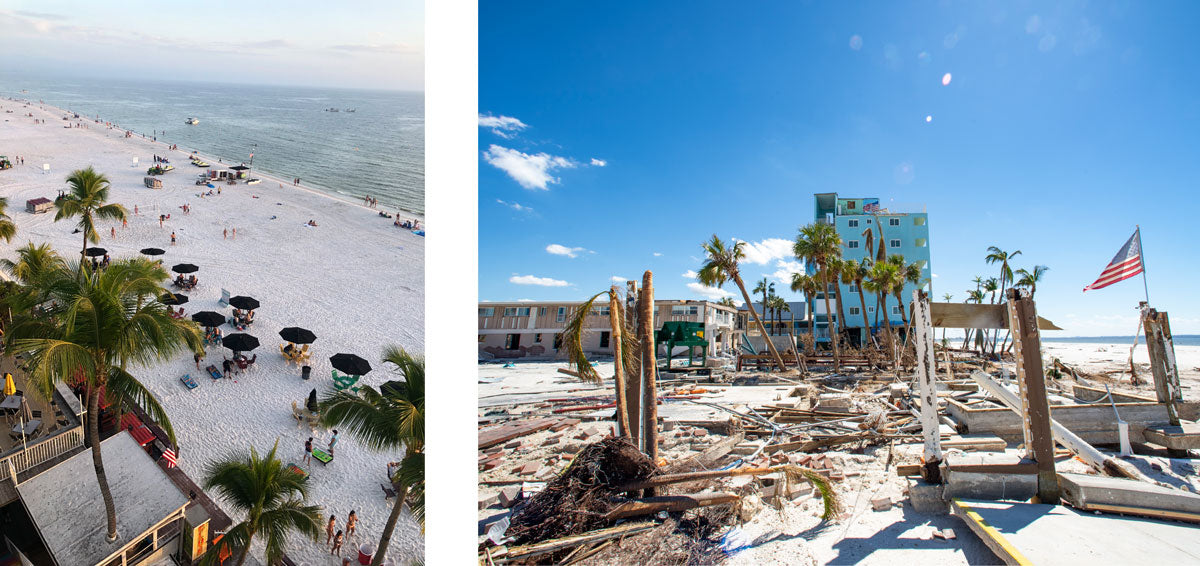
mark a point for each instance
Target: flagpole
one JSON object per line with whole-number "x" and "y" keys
{"x": 1142, "y": 258}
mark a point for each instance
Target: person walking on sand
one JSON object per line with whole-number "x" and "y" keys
{"x": 235, "y": 233}
{"x": 337, "y": 544}
{"x": 351, "y": 523}
{"x": 124, "y": 224}
{"x": 135, "y": 210}
{"x": 308, "y": 461}
{"x": 172, "y": 238}
{"x": 113, "y": 232}
{"x": 225, "y": 234}
{"x": 333, "y": 442}
{"x": 329, "y": 528}
{"x": 199, "y": 356}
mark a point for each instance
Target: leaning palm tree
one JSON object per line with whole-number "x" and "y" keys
{"x": 858, "y": 272}
{"x": 390, "y": 419}
{"x": 1030, "y": 278}
{"x": 881, "y": 280}
{"x": 808, "y": 285}
{"x": 88, "y": 200}
{"x": 271, "y": 494}
{"x": 8, "y": 228}
{"x": 91, "y": 324}
{"x": 908, "y": 273}
{"x": 721, "y": 265}
{"x": 819, "y": 244}
{"x": 625, "y": 349}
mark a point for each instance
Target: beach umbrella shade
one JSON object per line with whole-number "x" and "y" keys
{"x": 185, "y": 268}
{"x": 95, "y": 252}
{"x": 297, "y": 335}
{"x": 9, "y": 387}
{"x": 350, "y": 364}
{"x": 173, "y": 299}
{"x": 209, "y": 319}
{"x": 152, "y": 251}
{"x": 240, "y": 342}
{"x": 244, "y": 303}
{"x": 311, "y": 405}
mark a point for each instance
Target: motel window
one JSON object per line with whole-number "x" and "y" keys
{"x": 600, "y": 311}
{"x": 604, "y": 339}
{"x": 895, "y": 243}
{"x": 489, "y": 311}
{"x": 557, "y": 341}
{"x": 919, "y": 220}
{"x": 852, "y": 244}
{"x": 537, "y": 337}
{"x": 854, "y": 311}
{"x": 542, "y": 311}
{"x": 516, "y": 311}
{"x": 853, "y": 288}
{"x": 481, "y": 337}
{"x": 893, "y": 221}
{"x": 850, "y": 205}
{"x": 512, "y": 342}
{"x": 896, "y": 309}
{"x": 870, "y": 310}
{"x": 921, "y": 242}
{"x": 685, "y": 310}
{"x": 562, "y": 314}
{"x": 852, "y": 223}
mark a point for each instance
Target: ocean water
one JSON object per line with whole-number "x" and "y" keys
{"x": 377, "y": 150}
{"x": 1178, "y": 339}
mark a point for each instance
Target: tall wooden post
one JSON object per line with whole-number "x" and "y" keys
{"x": 616, "y": 321}
{"x": 1162, "y": 360}
{"x": 1035, "y": 416}
{"x": 649, "y": 367}
{"x": 633, "y": 378}
{"x": 926, "y": 380}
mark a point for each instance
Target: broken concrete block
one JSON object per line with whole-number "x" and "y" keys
{"x": 898, "y": 390}
{"x": 570, "y": 448}
{"x": 927, "y": 498}
{"x": 700, "y": 432}
{"x": 485, "y": 502}
{"x": 668, "y": 426}
{"x": 492, "y": 464}
{"x": 529, "y": 469}
{"x": 493, "y": 449}
{"x": 552, "y": 440}
{"x": 946, "y": 534}
{"x": 508, "y": 496}
{"x": 513, "y": 445}
{"x": 881, "y": 503}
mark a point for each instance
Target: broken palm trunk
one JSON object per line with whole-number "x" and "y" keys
{"x": 926, "y": 378}
{"x": 649, "y": 367}
{"x": 1162, "y": 361}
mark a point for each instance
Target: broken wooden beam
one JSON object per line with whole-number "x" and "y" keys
{"x": 503, "y": 433}
{"x": 546, "y": 547}
{"x": 669, "y": 503}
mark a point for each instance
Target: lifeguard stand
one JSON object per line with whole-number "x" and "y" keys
{"x": 679, "y": 333}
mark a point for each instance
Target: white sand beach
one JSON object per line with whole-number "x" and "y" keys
{"x": 355, "y": 280}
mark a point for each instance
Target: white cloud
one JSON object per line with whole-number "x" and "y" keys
{"x": 535, "y": 280}
{"x": 599, "y": 162}
{"x": 766, "y": 251}
{"x": 516, "y": 206}
{"x": 503, "y": 126}
{"x": 530, "y": 171}
{"x": 935, "y": 276}
{"x": 657, "y": 254}
{"x": 690, "y": 274}
{"x": 785, "y": 271}
{"x": 619, "y": 279}
{"x": 710, "y": 293}
{"x": 556, "y": 249}
{"x": 524, "y": 300}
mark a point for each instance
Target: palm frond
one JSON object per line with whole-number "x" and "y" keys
{"x": 412, "y": 474}
{"x": 291, "y": 515}
{"x": 132, "y": 393}
{"x": 572, "y": 341}
{"x": 378, "y": 421}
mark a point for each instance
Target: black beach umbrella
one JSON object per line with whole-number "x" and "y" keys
{"x": 95, "y": 252}
{"x": 297, "y": 335}
{"x": 173, "y": 299}
{"x": 244, "y": 303}
{"x": 209, "y": 319}
{"x": 350, "y": 364}
{"x": 240, "y": 342}
{"x": 185, "y": 268}
{"x": 152, "y": 251}
{"x": 311, "y": 405}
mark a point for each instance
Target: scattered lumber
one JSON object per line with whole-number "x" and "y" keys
{"x": 538, "y": 549}
{"x": 500, "y": 434}
{"x": 669, "y": 503}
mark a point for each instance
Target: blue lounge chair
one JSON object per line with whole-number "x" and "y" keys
{"x": 189, "y": 381}
{"x": 213, "y": 372}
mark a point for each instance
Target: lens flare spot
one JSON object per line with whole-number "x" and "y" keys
{"x": 856, "y": 42}
{"x": 928, "y": 118}
{"x": 946, "y": 79}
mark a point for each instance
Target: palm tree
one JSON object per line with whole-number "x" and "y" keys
{"x": 976, "y": 296}
{"x": 95, "y": 324}
{"x": 271, "y": 495}
{"x": 881, "y": 280}
{"x": 389, "y": 419}
{"x": 625, "y": 349}
{"x": 908, "y": 273}
{"x": 808, "y": 285}
{"x": 721, "y": 265}
{"x": 779, "y": 306}
{"x": 727, "y": 302}
{"x": 837, "y": 272}
{"x": 990, "y": 285}
{"x": 767, "y": 289}
{"x": 8, "y": 228}
{"x": 818, "y": 243}
{"x": 946, "y": 297}
{"x": 1030, "y": 278}
{"x": 858, "y": 272}
{"x": 87, "y": 199}
{"x": 33, "y": 261}
{"x": 997, "y": 255}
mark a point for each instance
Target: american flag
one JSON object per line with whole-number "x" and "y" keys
{"x": 1127, "y": 263}
{"x": 169, "y": 456}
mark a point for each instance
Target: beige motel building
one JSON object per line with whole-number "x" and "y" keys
{"x": 533, "y": 329}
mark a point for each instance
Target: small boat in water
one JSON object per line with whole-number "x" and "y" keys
{"x": 192, "y": 121}
{"x": 351, "y": 109}
{"x": 332, "y": 110}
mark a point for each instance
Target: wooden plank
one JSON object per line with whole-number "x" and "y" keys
{"x": 669, "y": 503}
{"x": 500, "y": 434}
{"x": 549, "y": 546}
{"x": 1144, "y": 512}
{"x": 1035, "y": 407}
{"x": 994, "y": 540}
{"x": 927, "y": 388}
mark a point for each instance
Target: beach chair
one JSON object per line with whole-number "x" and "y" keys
{"x": 304, "y": 355}
{"x": 321, "y": 456}
{"x": 213, "y": 372}
{"x": 189, "y": 381}
{"x": 297, "y": 469}
{"x": 314, "y": 421}
{"x": 298, "y": 414}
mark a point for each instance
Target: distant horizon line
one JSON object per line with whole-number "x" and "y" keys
{"x": 87, "y": 76}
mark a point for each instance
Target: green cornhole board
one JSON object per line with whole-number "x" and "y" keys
{"x": 322, "y": 456}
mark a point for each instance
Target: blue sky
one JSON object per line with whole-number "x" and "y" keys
{"x": 377, "y": 44}
{"x": 1061, "y": 127}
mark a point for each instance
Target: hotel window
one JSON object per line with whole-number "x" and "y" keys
{"x": 487, "y": 311}
{"x": 852, "y": 244}
{"x": 920, "y": 242}
{"x": 919, "y": 220}
{"x": 512, "y": 341}
{"x": 854, "y": 311}
{"x": 896, "y": 309}
{"x": 562, "y": 314}
{"x": 600, "y": 311}
{"x": 853, "y": 288}
{"x": 604, "y": 339}
{"x": 895, "y": 243}
{"x": 542, "y": 311}
{"x": 850, "y": 205}
{"x": 870, "y": 310}
{"x": 893, "y": 221}
{"x": 852, "y": 223}
{"x": 516, "y": 311}
{"x": 685, "y": 310}
{"x": 537, "y": 337}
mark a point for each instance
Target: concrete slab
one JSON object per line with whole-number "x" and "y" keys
{"x": 1184, "y": 437}
{"x": 1030, "y": 533}
{"x": 982, "y": 483}
{"x": 1105, "y": 493}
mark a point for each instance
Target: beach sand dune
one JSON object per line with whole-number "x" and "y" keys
{"x": 355, "y": 280}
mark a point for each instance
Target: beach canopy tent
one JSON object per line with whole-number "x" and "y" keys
{"x": 240, "y": 171}
{"x": 185, "y": 268}
{"x": 311, "y": 404}
{"x": 350, "y": 364}
{"x": 152, "y": 251}
{"x": 297, "y": 335}
{"x": 174, "y": 299}
{"x": 209, "y": 319}
{"x": 240, "y": 342}
{"x": 38, "y": 205}
{"x": 95, "y": 252}
{"x": 244, "y": 303}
